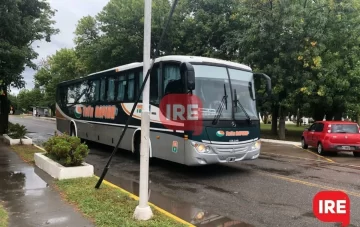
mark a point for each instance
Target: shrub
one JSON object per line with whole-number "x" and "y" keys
{"x": 17, "y": 131}
{"x": 66, "y": 150}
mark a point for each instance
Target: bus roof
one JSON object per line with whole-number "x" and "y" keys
{"x": 180, "y": 58}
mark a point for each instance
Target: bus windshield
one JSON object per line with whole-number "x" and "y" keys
{"x": 212, "y": 84}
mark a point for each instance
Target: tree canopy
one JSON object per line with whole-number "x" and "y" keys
{"x": 310, "y": 49}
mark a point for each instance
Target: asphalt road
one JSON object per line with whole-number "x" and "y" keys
{"x": 275, "y": 190}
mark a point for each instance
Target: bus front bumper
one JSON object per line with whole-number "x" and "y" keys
{"x": 224, "y": 153}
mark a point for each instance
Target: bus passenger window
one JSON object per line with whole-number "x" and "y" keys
{"x": 131, "y": 86}
{"x": 121, "y": 88}
{"x": 154, "y": 85}
{"x": 102, "y": 90}
{"x": 74, "y": 92}
{"x": 140, "y": 82}
{"x": 63, "y": 95}
{"x": 93, "y": 94}
{"x": 111, "y": 89}
{"x": 172, "y": 80}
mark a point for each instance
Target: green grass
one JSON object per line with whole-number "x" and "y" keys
{"x": 293, "y": 132}
{"x": 107, "y": 206}
{"x": 3, "y": 217}
{"x": 26, "y": 152}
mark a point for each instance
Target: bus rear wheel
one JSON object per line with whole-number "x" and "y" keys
{"x": 72, "y": 130}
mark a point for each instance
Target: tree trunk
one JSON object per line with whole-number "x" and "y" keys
{"x": 358, "y": 119}
{"x": 52, "y": 108}
{"x": 318, "y": 115}
{"x": 4, "y": 111}
{"x": 281, "y": 123}
{"x": 329, "y": 116}
{"x": 266, "y": 119}
{"x": 275, "y": 114}
{"x": 298, "y": 117}
{"x": 337, "y": 116}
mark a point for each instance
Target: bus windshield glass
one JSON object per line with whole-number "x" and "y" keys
{"x": 212, "y": 84}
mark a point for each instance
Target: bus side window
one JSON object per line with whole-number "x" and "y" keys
{"x": 63, "y": 95}
{"x": 121, "y": 88}
{"x": 172, "y": 79}
{"x": 154, "y": 85}
{"x": 73, "y": 93}
{"x": 140, "y": 81}
{"x": 131, "y": 86}
{"x": 111, "y": 89}
{"x": 102, "y": 90}
{"x": 93, "y": 94}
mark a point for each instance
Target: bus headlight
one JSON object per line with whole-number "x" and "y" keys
{"x": 256, "y": 145}
{"x": 201, "y": 148}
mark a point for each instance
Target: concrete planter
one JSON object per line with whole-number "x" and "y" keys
{"x": 8, "y": 140}
{"x": 60, "y": 172}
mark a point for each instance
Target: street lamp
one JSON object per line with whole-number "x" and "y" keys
{"x": 143, "y": 210}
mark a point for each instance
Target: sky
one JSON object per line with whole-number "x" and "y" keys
{"x": 68, "y": 14}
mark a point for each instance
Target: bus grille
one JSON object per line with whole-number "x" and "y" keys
{"x": 238, "y": 148}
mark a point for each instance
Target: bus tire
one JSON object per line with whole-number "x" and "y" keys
{"x": 72, "y": 130}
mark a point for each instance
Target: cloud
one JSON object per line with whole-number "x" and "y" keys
{"x": 68, "y": 14}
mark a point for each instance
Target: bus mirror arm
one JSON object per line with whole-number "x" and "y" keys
{"x": 268, "y": 82}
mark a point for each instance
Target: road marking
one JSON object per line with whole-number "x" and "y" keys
{"x": 309, "y": 159}
{"x": 153, "y": 205}
{"x": 288, "y": 179}
{"x": 289, "y": 156}
{"x": 327, "y": 159}
{"x": 40, "y": 148}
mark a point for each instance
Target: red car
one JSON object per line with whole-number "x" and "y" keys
{"x": 332, "y": 136}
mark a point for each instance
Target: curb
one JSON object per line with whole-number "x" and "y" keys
{"x": 281, "y": 142}
{"x": 151, "y": 204}
{"x": 137, "y": 198}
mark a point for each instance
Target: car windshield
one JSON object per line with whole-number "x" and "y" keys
{"x": 344, "y": 128}
{"x": 212, "y": 83}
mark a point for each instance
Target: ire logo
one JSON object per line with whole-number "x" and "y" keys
{"x": 181, "y": 112}
{"x": 332, "y": 206}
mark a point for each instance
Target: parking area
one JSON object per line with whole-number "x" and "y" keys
{"x": 277, "y": 189}
{"x": 294, "y": 151}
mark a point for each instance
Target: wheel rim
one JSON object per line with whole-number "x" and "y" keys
{"x": 302, "y": 142}
{"x": 319, "y": 148}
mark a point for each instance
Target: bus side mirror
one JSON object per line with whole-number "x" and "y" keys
{"x": 268, "y": 82}
{"x": 188, "y": 75}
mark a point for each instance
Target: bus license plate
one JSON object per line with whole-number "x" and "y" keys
{"x": 346, "y": 147}
{"x": 231, "y": 159}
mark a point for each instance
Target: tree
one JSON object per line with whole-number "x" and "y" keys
{"x": 115, "y": 36}
{"x": 29, "y": 98}
{"x": 13, "y": 102}
{"x": 22, "y": 22}
{"x": 279, "y": 38}
{"x": 63, "y": 65}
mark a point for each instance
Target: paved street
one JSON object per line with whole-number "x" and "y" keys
{"x": 275, "y": 190}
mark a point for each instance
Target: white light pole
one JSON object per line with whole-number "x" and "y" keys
{"x": 143, "y": 210}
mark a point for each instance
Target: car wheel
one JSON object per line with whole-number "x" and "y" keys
{"x": 303, "y": 143}
{"x": 320, "y": 149}
{"x": 356, "y": 154}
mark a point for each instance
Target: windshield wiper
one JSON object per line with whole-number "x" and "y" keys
{"x": 236, "y": 101}
{"x": 220, "y": 108}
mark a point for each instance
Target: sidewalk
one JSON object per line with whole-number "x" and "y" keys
{"x": 29, "y": 199}
{"x": 281, "y": 142}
